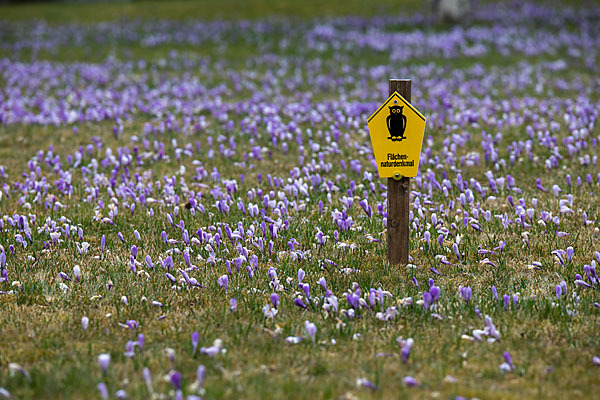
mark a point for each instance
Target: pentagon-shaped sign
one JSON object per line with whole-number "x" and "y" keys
{"x": 396, "y": 131}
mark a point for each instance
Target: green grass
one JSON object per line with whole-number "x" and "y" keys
{"x": 92, "y": 12}
{"x": 204, "y": 9}
{"x": 40, "y": 326}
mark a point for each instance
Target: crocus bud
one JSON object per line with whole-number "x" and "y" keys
{"x": 77, "y": 272}
{"x": 275, "y": 299}
{"x": 104, "y": 361}
{"x": 311, "y": 330}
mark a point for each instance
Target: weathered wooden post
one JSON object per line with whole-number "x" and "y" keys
{"x": 396, "y": 130}
{"x": 398, "y": 193}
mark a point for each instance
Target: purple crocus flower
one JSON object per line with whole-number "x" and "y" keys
{"x": 77, "y": 272}
{"x": 563, "y": 286}
{"x": 311, "y": 330}
{"x": 293, "y": 339}
{"x": 507, "y": 365}
{"x": 233, "y": 304}
{"x": 170, "y": 353}
{"x": 132, "y": 264}
{"x": 102, "y": 243}
{"x": 508, "y": 358}
{"x": 538, "y": 183}
{"x": 64, "y": 276}
{"x": 85, "y": 322}
{"x": 465, "y": 293}
{"x": 570, "y": 252}
{"x": 104, "y": 361}
{"x": 195, "y": 341}
{"x": 441, "y": 240}
{"x": 16, "y": 368}
{"x": 366, "y": 208}
{"x": 323, "y": 283}
{"x": 275, "y": 299}
{"x": 582, "y": 283}
{"x": 372, "y": 297}
{"x": 147, "y": 379}
{"x": 301, "y": 275}
{"x": 556, "y": 189}
{"x": 364, "y": 382}
{"x": 306, "y": 289}
{"x": 132, "y": 324}
{"x": 410, "y": 381}
{"x": 298, "y": 302}
{"x": 456, "y": 251}
{"x": 170, "y": 277}
{"x": 426, "y": 300}
{"x": 223, "y": 281}
{"x": 129, "y": 349}
{"x": 168, "y": 263}
{"x": 200, "y": 375}
{"x": 506, "y": 301}
{"x": 558, "y": 291}
{"x": 211, "y": 351}
{"x": 103, "y": 390}
{"x": 5, "y": 393}
{"x": 176, "y": 379}
{"x": 149, "y": 262}
{"x": 353, "y": 300}
{"x": 435, "y": 293}
{"x": 491, "y": 328}
{"x": 406, "y": 348}
{"x": 435, "y": 271}
{"x": 134, "y": 251}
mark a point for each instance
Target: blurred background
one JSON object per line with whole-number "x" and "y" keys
{"x": 92, "y": 11}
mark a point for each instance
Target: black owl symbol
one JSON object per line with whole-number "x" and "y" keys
{"x": 396, "y": 123}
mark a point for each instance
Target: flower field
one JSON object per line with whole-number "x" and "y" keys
{"x": 190, "y": 207}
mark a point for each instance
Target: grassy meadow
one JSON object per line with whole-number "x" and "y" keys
{"x": 205, "y": 168}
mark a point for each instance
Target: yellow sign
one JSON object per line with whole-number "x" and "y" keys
{"x": 396, "y": 131}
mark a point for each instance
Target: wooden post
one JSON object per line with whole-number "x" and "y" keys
{"x": 398, "y": 193}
